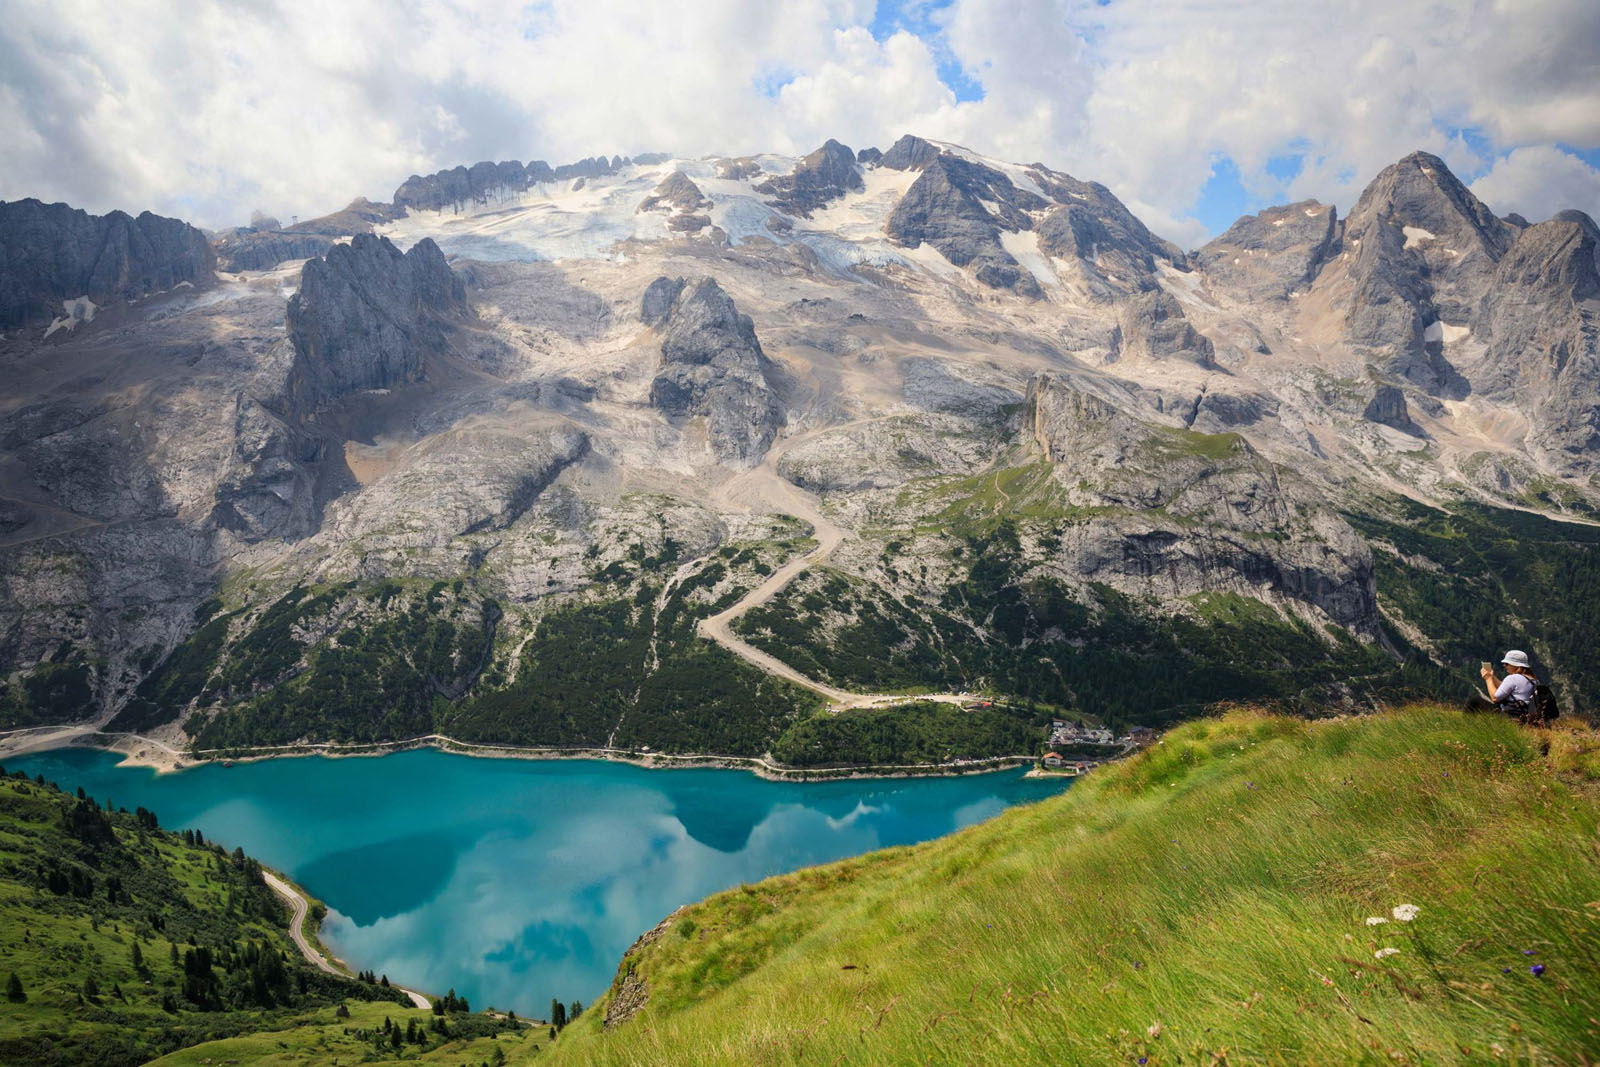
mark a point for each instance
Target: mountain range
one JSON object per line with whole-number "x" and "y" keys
{"x": 670, "y": 452}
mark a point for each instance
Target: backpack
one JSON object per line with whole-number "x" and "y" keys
{"x": 1544, "y": 704}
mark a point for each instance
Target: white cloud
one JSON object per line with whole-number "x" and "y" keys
{"x": 212, "y": 108}
{"x": 1538, "y": 181}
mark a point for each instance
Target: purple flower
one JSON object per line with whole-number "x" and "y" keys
{"x": 1536, "y": 970}
{"x": 1505, "y": 970}
{"x": 1144, "y": 1059}
{"x": 1527, "y": 952}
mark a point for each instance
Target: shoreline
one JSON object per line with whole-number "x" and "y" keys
{"x": 141, "y": 751}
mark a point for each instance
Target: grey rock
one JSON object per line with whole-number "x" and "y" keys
{"x": 1152, "y": 325}
{"x": 51, "y": 253}
{"x": 946, "y": 207}
{"x": 651, "y": 159}
{"x": 1541, "y": 349}
{"x": 263, "y": 250}
{"x": 1388, "y": 407}
{"x": 659, "y": 296}
{"x": 910, "y": 153}
{"x": 1418, "y": 248}
{"x": 735, "y": 170}
{"x": 823, "y": 176}
{"x": 1186, "y": 517}
{"x": 888, "y": 452}
{"x": 713, "y": 365}
{"x": 461, "y": 188}
{"x": 1216, "y": 411}
{"x": 932, "y": 386}
{"x": 268, "y": 489}
{"x": 869, "y": 157}
{"x": 676, "y": 191}
{"x": 1270, "y": 255}
{"x": 366, "y": 317}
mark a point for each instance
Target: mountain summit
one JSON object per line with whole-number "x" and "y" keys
{"x": 671, "y": 452}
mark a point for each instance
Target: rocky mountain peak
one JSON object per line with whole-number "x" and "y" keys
{"x": 1272, "y": 254}
{"x": 824, "y": 175}
{"x": 367, "y": 316}
{"x": 712, "y": 365}
{"x": 909, "y": 153}
{"x": 52, "y": 254}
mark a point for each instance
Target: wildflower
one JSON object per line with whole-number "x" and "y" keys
{"x": 1144, "y": 1059}
{"x": 1382, "y": 952}
{"x": 1527, "y": 952}
{"x": 1536, "y": 970}
{"x": 1376, "y": 920}
{"x": 1154, "y": 1030}
{"x": 1505, "y": 970}
{"x": 1406, "y": 912}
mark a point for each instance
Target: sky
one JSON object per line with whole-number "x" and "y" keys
{"x": 1192, "y": 111}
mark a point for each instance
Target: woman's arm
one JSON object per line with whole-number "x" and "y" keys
{"x": 1491, "y": 683}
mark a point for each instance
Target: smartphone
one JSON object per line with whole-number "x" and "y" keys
{"x": 1486, "y": 666}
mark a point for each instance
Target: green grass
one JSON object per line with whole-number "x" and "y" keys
{"x": 82, "y": 888}
{"x": 320, "y": 1037}
{"x": 1204, "y": 902}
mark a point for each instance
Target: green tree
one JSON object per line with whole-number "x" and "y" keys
{"x": 91, "y": 988}
{"x": 138, "y": 957}
{"x": 14, "y": 991}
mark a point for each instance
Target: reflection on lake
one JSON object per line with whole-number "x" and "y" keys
{"x": 516, "y": 881}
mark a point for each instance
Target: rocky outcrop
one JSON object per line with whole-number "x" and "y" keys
{"x": 910, "y": 153}
{"x": 658, "y": 299}
{"x": 460, "y": 188}
{"x": 51, "y": 254}
{"x": 1182, "y": 513}
{"x": 712, "y": 365}
{"x": 1114, "y": 251}
{"x": 961, "y": 208}
{"x": 366, "y": 317}
{"x": 1540, "y": 326}
{"x": 1388, "y": 408}
{"x": 824, "y": 175}
{"x": 1152, "y": 325}
{"x": 677, "y": 191}
{"x": 1418, "y": 253}
{"x": 1270, "y": 255}
{"x": 265, "y": 249}
{"x": 869, "y": 157}
{"x": 268, "y": 489}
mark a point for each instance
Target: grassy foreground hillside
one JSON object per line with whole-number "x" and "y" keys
{"x": 1229, "y": 896}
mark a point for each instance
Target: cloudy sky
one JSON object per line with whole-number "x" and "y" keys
{"x": 1193, "y": 111}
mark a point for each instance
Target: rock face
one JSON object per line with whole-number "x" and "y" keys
{"x": 976, "y": 214}
{"x": 1418, "y": 253}
{"x": 658, "y": 299}
{"x": 1152, "y": 325}
{"x": 460, "y": 188}
{"x": 910, "y": 153}
{"x": 265, "y": 249}
{"x": 1200, "y": 513}
{"x": 676, "y": 191}
{"x": 367, "y": 316}
{"x": 824, "y": 175}
{"x": 268, "y": 489}
{"x": 51, "y": 254}
{"x": 712, "y": 365}
{"x": 1542, "y": 345}
{"x": 1388, "y": 407}
{"x": 1270, "y": 255}
{"x": 948, "y": 208}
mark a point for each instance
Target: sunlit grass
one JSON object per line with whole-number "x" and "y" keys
{"x": 1206, "y": 899}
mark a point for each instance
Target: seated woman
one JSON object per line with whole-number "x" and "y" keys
{"x": 1513, "y": 695}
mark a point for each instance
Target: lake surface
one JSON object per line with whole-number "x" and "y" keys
{"x": 516, "y": 881}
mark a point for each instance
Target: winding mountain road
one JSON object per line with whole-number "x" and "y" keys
{"x": 313, "y": 954}
{"x": 764, "y": 486}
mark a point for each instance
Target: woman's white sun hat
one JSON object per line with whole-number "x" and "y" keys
{"x": 1515, "y": 658}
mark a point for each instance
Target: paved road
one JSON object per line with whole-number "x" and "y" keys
{"x": 300, "y": 906}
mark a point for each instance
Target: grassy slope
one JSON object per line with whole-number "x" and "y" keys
{"x": 1208, "y": 895}
{"x": 172, "y": 894}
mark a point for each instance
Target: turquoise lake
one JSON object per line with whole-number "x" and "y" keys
{"x": 516, "y": 881}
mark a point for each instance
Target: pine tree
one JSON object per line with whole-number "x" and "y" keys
{"x": 14, "y": 991}
{"x": 91, "y": 988}
{"x": 138, "y": 957}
